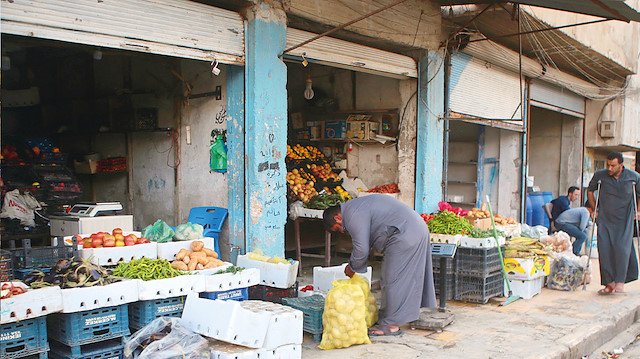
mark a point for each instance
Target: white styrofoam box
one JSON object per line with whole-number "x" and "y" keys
{"x": 285, "y": 324}
{"x": 445, "y": 238}
{"x": 68, "y": 240}
{"x": 222, "y": 350}
{"x": 226, "y": 320}
{"x": 227, "y": 281}
{"x": 489, "y": 242}
{"x": 168, "y": 250}
{"x": 296, "y": 209}
{"x": 363, "y": 194}
{"x": 99, "y": 296}
{"x": 106, "y": 256}
{"x": 525, "y": 289}
{"x": 31, "y": 304}
{"x": 170, "y": 287}
{"x": 324, "y": 276}
{"x": 277, "y": 275}
{"x": 211, "y": 271}
{"x": 510, "y": 230}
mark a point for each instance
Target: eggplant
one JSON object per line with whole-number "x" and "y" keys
{"x": 62, "y": 266}
{"x": 32, "y": 276}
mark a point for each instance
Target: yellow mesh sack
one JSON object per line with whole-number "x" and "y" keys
{"x": 371, "y": 308}
{"x": 344, "y": 317}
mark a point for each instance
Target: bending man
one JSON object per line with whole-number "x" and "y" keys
{"x": 614, "y": 217}
{"x": 391, "y": 227}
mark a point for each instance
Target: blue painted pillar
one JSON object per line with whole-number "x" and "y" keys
{"x": 265, "y": 128}
{"x": 235, "y": 157}
{"x": 430, "y": 132}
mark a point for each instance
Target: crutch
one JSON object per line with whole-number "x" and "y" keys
{"x": 593, "y": 231}
{"x": 635, "y": 219}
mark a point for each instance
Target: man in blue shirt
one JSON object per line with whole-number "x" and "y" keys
{"x": 563, "y": 203}
{"x": 572, "y": 221}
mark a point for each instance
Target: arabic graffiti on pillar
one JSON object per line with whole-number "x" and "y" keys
{"x": 270, "y": 167}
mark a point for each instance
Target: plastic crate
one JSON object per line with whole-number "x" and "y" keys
{"x": 144, "y": 312}
{"x": 110, "y": 349}
{"x": 30, "y": 257}
{"x": 312, "y": 308}
{"x": 89, "y": 326}
{"x": 477, "y": 289}
{"x": 6, "y": 266}
{"x": 23, "y": 338}
{"x": 451, "y": 264}
{"x": 238, "y": 294}
{"x": 272, "y": 294}
{"x": 478, "y": 262}
{"x": 451, "y": 284}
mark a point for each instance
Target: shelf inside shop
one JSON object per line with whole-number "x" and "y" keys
{"x": 463, "y": 203}
{"x": 462, "y": 182}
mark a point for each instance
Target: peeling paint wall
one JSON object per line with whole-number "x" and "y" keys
{"x": 510, "y": 165}
{"x": 407, "y": 142}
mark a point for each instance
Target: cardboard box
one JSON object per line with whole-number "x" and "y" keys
{"x": 480, "y": 223}
{"x": 527, "y": 268}
{"x": 363, "y": 130}
{"x": 86, "y": 167}
{"x": 335, "y": 129}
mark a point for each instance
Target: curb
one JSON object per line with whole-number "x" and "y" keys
{"x": 586, "y": 339}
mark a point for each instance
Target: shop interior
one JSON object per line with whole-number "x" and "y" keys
{"x": 87, "y": 124}
{"x": 321, "y": 99}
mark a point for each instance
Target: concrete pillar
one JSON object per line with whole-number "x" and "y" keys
{"x": 430, "y": 136}
{"x": 235, "y": 157}
{"x": 265, "y": 128}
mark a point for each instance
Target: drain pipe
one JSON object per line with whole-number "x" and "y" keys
{"x": 445, "y": 157}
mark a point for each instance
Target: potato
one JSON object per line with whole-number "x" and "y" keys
{"x": 186, "y": 259}
{"x": 183, "y": 253}
{"x": 216, "y": 262}
{"x": 200, "y": 257}
{"x": 210, "y": 252}
{"x": 192, "y": 265}
{"x": 199, "y": 266}
{"x": 210, "y": 265}
{"x": 197, "y": 246}
{"x": 179, "y": 265}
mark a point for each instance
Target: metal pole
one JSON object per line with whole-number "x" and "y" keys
{"x": 593, "y": 230}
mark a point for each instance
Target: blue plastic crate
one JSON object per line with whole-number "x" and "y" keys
{"x": 239, "y": 294}
{"x": 23, "y": 338}
{"x": 144, "y": 312}
{"x": 19, "y": 273}
{"x": 110, "y": 349}
{"x": 89, "y": 326}
{"x": 312, "y": 308}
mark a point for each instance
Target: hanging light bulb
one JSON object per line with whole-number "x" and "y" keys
{"x": 308, "y": 92}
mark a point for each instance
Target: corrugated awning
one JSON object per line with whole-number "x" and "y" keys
{"x": 608, "y": 9}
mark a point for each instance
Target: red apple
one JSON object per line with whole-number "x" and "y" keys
{"x": 109, "y": 242}
{"x": 129, "y": 241}
{"x": 95, "y": 242}
{"x": 140, "y": 240}
{"x": 99, "y": 235}
{"x": 117, "y": 231}
{"x": 87, "y": 244}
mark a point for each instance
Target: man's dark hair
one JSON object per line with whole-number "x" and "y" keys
{"x": 328, "y": 217}
{"x": 571, "y": 189}
{"x": 615, "y": 155}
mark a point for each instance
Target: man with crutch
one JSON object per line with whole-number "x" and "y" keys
{"x": 617, "y": 196}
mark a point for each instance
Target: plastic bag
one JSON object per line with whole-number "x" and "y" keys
{"x": 187, "y": 231}
{"x": 166, "y": 338}
{"x": 158, "y": 232}
{"x": 344, "y": 317}
{"x": 565, "y": 274}
{"x": 371, "y": 308}
{"x": 20, "y": 206}
{"x": 218, "y": 155}
{"x": 560, "y": 241}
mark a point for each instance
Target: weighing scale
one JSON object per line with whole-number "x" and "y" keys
{"x": 87, "y": 218}
{"x": 438, "y": 318}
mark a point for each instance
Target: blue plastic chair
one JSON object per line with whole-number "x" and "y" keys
{"x": 212, "y": 219}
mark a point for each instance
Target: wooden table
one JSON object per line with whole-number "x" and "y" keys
{"x": 327, "y": 244}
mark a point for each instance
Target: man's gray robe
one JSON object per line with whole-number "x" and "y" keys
{"x": 392, "y": 228}
{"x": 617, "y": 255}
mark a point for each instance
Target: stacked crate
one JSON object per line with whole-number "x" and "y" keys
{"x": 479, "y": 274}
{"x": 312, "y": 308}
{"x": 89, "y": 334}
{"x": 451, "y": 276}
{"x": 144, "y": 312}
{"x": 272, "y": 294}
{"x": 22, "y": 339}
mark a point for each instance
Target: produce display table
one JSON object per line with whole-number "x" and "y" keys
{"x": 298, "y": 213}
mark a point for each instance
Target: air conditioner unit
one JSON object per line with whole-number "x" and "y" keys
{"x": 607, "y": 129}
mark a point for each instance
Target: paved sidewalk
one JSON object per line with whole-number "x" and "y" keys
{"x": 553, "y": 324}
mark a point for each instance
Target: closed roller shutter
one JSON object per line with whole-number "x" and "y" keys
{"x": 168, "y": 27}
{"x": 556, "y": 98}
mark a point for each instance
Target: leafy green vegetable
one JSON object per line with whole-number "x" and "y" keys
{"x": 324, "y": 201}
{"x": 479, "y": 233}
{"x": 231, "y": 269}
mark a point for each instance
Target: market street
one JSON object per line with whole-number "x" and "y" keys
{"x": 553, "y": 324}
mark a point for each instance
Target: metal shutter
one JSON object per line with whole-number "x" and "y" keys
{"x": 556, "y": 98}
